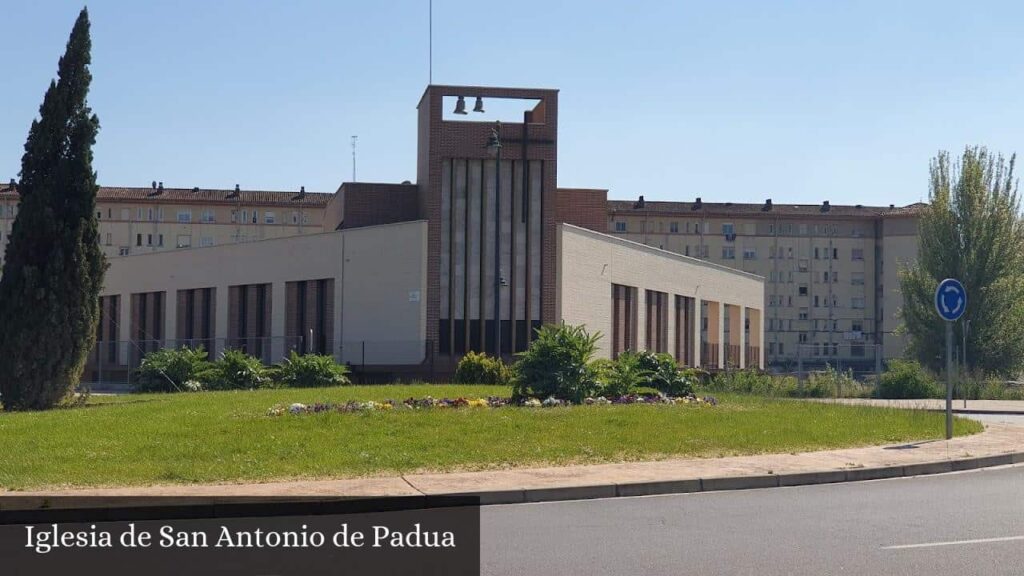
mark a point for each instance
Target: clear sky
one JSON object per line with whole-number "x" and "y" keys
{"x": 799, "y": 101}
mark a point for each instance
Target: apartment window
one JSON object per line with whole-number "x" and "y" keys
{"x": 160, "y": 240}
{"x": 816, "y": 255}
{"x": 803, "y": 313}
{"x": 234, "y": 216}
{"x": 728, "y": 229}
{"x": 673, "y": 227}
{"x": 789, "y": 252}
{"x": 790, "y": 301}
{"x": 206, "y": 241}
{"x": 207, "y": 216}
{"x": 184, "y": 241}
{"x": 139, "y": 214}
{"x": 138, "y": 239}
{"x": 686, "y": 250}
{"x": 780, "y": 349}
{"x": 305, "y": 218}
{"x": 122, "y": 251}
{"x": 857, "y": 254}
{"x": 835, "y": 253}
{"x": 99, "y": 214}
{"x": 802, "y": 337}
{"x": 857, "y": 326}
{"x": 149, "y": 214}
{"x": 750, "y": 253}
{"x": 108, "y": 239}
{"x": 728, "y": 253}
{"x": 619, "y": 226}
{"x": 802, "y": 290}
{"x": 269, "y": 217}
{"x": 149, "y": 239}
{"x": 160, "y": 214}
{"x": 857, "y": 303}
{"x": 802, "y": 265}
{"x": 857, "y": 278}
{"x": 816, "y": 301}
{"x": 184, "y": 216}
{"x": 255, "y": 216}
{"x": 803, "y": 229}
{"x": 771, "y": 348}
{"x": 835, "y": 276}
{"x": 245, "y": 216}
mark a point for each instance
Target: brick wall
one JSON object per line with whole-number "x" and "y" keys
{"x": 366, "y": 204}
{"x": 586, "y": 208}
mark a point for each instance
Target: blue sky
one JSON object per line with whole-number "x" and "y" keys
{"x": 739, "y": 101}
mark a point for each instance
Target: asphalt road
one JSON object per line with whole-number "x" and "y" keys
{"x": 959, "y": 524}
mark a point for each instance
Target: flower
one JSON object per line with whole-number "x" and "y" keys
{"x": 297, "y": 408}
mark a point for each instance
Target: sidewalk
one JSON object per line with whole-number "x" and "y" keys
{"x": 999, "y": 444}
{"x": 972, "y": 406}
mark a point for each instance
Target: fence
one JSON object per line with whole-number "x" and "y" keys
{"x": 862, "y": 359}
{"x": 112, "y": 365}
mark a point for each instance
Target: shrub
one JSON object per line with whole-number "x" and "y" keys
{"x": 834, "y": 384}
{"x": 623, "y": 375}
{"x": 664, "y": 374}
{"x": 236, "y": 370}
{"x": 479, "y": 368}
{"x": 755, "y": 383}
{"x": 174, "y": 370}
{"x": 558, "y": 363}
{"x": 311, "y": 371}
{"x": 906, "y": 379}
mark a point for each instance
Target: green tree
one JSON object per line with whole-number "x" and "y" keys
{"x": 54, "y": 268}
{"x": 971, "y": 230}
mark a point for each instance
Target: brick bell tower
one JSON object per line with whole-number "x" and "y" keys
{"x": 457, "y": 179}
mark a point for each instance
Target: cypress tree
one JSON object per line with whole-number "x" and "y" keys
{"x": 49, "y": 291}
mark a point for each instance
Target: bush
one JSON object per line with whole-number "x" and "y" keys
{"x": 558, "y": 363}
{"x": 479, "y": 368}
{"x": 906, "y": 379}
{"x": 756, "y": 383}
{"x": 174, "y": 370}
{"x": 664, "y": 374}
{"x": 236, "y": 370}
{"x": 311, "y": 371}
{"x": 623, "y": 375}
{"x": 835, "y": 384}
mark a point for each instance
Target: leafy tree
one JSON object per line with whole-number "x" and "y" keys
{"x": 971, "y": 230}
{"x": 49, "y": 292}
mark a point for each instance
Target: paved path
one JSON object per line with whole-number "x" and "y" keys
{"x": 950, "y": 524}
{"x": 509, "y": 485}
{"x": 976, "y": 406}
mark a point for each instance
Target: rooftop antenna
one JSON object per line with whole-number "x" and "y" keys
{"x": 430, "y": 49}
{"x": 354, "y": 157}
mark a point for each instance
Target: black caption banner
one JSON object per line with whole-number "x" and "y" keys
{"x": 114, "y": 536}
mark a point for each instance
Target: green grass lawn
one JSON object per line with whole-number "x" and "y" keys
{"x": 228, "y": 437}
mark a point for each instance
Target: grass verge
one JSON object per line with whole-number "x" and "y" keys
{"x": 227, "y": 437}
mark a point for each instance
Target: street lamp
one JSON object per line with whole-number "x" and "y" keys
{"x": 494, "y": 149}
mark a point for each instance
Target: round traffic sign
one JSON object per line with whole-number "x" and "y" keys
{"x": 950, "y": 299}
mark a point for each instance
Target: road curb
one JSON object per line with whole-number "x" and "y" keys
{"x": 725, "y": 483}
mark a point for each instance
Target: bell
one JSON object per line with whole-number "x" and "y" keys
{"x": 479, "y": 106}
{"x": 460, "y": 106}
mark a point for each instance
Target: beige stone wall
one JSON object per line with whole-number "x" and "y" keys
{"x": 379, "y": 281}
{"x": 590, "y": 262}
{"x": 791, "y": 319}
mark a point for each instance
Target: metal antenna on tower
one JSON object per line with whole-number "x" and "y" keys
{"x": 354, "y": 157}
{"x": 430, "y": 50}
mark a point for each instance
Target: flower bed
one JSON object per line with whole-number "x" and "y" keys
{"x": 429, "y": 402}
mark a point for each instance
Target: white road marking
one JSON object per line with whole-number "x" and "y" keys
{"x": 953, "y": 543}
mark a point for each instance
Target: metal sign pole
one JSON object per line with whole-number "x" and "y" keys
{"x": 949, "y": 380}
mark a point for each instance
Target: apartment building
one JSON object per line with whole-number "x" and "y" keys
{"x": 155, "y": 219}
{"x": 831, "y": 271}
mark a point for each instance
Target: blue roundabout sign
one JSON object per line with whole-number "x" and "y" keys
{"x": 950, "y": 299}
